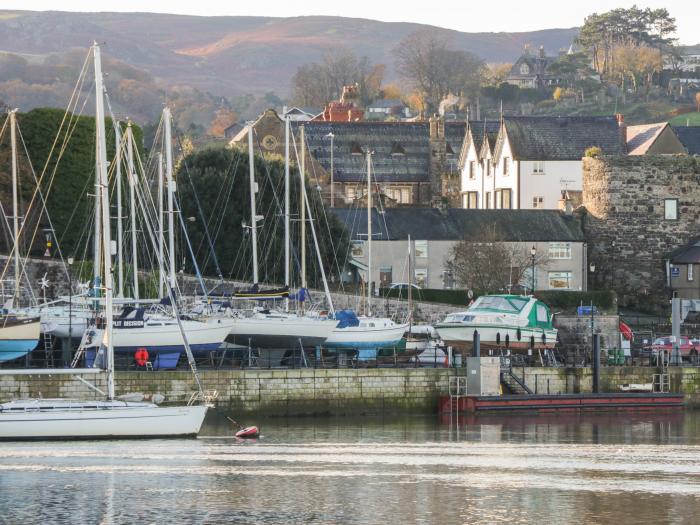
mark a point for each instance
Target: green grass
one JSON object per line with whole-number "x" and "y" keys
{"x": 692, "y": 119}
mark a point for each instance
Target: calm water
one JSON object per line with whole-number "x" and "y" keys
{"x": 590, "y": 469}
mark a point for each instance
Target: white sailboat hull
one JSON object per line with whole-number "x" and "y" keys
{"x": 366, "y": 336}
{"x": 100, "y": 420}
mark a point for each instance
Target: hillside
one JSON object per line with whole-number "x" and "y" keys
{"x": 229, "y": 56}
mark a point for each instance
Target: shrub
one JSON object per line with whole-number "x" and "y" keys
{"x": 593, "y": 151}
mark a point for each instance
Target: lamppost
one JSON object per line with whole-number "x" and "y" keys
{"x": 533, "y": 252}
{"x": 331, "y": 136}
{"x": 592, "y": 269}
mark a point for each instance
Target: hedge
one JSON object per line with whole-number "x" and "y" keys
{"x": 557, "y": 299}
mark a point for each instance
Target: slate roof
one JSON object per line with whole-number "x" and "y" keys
{"x": 561, "y": 138}
{"x": 401, "y": 149}
{"x": 479, "y": 128}
{"x": 640, "y": 138}
{"x": 689, "y": 137}
{"x": 688, "y": 254}
{"x": 386, "y": 103}
{"x": 456, "y": 224}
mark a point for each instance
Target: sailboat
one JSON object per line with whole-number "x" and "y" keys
{"x": 110, "y": 417}
{"x": 366, "y": 334}
{"x": 19, "y": 335}
{"x": 277, "y": 331}
{"x": 157, "y": 334}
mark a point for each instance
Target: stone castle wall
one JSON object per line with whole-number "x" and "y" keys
{"x": 629, "y": 238}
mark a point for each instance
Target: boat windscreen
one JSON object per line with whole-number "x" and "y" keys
{"x": 500, "y": 304}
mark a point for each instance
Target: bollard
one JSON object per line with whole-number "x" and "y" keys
{"x": 476, "y": 347}
{"x": 596, "y": 363}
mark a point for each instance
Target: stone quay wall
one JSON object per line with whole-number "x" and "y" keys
{"x": 629, "y": 238}
{"x": 335, "y": 391}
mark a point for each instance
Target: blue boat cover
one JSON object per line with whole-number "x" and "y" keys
{"x": 346, "y": 318}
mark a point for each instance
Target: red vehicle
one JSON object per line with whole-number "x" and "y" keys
{"x": 688, "y": 350}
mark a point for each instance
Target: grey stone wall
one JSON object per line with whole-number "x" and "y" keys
{"x": 629, "y": 238}
{"x": 338, "y": 391}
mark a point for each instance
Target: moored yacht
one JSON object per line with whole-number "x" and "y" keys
{"x": 512, "y": 322}
{"x": 367, "y": 335}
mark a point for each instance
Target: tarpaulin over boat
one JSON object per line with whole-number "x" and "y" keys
{"x": 346, "y": 318}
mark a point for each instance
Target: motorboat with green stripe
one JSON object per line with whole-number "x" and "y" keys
{"x": 514, "y": 322}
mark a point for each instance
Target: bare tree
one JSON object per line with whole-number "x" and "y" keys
{"x": 488, "y": 264}
{"x": 316, "y": 84}
{"x": 435, "y": 70}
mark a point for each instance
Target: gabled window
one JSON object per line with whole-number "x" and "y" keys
{"x": 506, "y": 165}
{"x": 397, "y": 149}
{"x": 472, "y": 169}
{"x": 355, "y": 149}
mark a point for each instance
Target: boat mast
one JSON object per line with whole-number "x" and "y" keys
{"x": 15, "y": 206}
{"x": 97, "y": 252}
{"x": 302, "y": 211}
{"x": 286, "y": 209}
{"x": 171, "y": 189}
{"x": 253, "y": 190}
{"x": 161, "y": 276}
{"x": 410, "y": 286}
{"x": 120, "y": 218}
{"x": 369, "y": 234}
{"x": 104, "y": 202}
{"x": 132, "y": 202}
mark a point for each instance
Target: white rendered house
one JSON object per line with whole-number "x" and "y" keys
{"x": 536, "y": 159}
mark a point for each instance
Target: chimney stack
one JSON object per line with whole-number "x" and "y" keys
{"x": 566, "y": 206}
{"x": 622, "y": 125}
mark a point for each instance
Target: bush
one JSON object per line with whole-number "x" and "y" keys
{"x": 430, "y": 295}
{"x": 593, "y": 151}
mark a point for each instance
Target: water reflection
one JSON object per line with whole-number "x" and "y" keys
{"x": 494, "y": 469}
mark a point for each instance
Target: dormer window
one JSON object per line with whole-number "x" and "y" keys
{"x": 448, "y": 149}
{"x": 397, "y": 149}
{"x": 355, "y": 149}
{"x": 524, "y": 69}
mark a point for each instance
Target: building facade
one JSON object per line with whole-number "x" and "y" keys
{"x": 557, "y": 238}
{"x": 534, "y": 160}
{"x": 413, "y": 163}
{"x": 638, "y": 211}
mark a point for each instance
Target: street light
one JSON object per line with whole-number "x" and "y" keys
{"x": 533, "y": 252}
{"x": 331, "y": 136}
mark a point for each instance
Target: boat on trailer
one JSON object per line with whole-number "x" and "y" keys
{"x": 512, "y": 322}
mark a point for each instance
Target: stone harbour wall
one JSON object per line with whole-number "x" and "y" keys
{"x": 336, "y": 391}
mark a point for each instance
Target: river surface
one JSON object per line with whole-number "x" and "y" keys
{"x": 502, "y": 469}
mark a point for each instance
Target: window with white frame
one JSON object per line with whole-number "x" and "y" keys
{"x": 350, "y": 193}
{"x": 506, "y": 165}
{"x": 538, "y": 167}
{"x": 421, "y": 277}
{"x": 690, "y": 272}
{"x": 538, "y": 202}
{"x": 488, "y": 200}
{"x": 472, "y": 169}
{"x": 559, "y": 250}
{"x": 420, "y": 248}
{"x": 560, "y": 280}
{"x": 507, "y": 199}
{"x": 671, "y": 209}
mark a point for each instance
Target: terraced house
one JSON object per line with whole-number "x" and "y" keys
{"x": 534, "y": 161}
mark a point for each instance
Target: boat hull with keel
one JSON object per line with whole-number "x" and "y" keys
{"x": 70, "y": 419}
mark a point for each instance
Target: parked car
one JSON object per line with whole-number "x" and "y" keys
{"x": 403, "y": 286}
{"x": 688, "y": 349}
